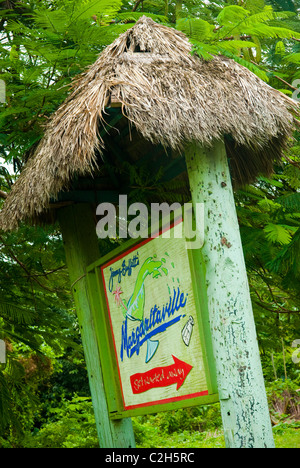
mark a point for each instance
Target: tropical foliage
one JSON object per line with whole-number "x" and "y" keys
{"x": 43, "y": 45}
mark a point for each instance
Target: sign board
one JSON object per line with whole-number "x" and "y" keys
{"x": 154, "y": 326}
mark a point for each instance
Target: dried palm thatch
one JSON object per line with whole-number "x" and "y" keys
{"x": 171, "y": 97}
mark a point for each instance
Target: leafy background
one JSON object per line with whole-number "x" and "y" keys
{"x": 44, "y": 394}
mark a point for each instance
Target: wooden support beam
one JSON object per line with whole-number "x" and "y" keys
{"x": 81, "y": 247}
{"x": 244, "y": 405}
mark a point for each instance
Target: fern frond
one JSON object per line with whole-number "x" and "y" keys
{"x": 53, "y": 20}
{"x": 287, "y": 259}
{"x": 265, "y": 31}
{"x": 205, "y": 51}
{"x": 292, "y": 176}
{"x": 293, "y": 58}
{"x": 277, "y": 233}
{"x": 195, "y": 28}
{"x": 290, "y": 202}
{"x": 85, "y": 9}
{"x": 232, "y": 15}
{"x": 234, "y": 46}
{"x": 267, "y": 14}
{"x": 16, "y": 314}
{"x": 6, "y": 412}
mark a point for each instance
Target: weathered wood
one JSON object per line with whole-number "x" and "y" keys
{"x": 81, "y": 247}
{"x": 242, "y": 393}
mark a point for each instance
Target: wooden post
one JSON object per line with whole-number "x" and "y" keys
{"x": 244, "y": 406}
{"x": 81, "y": 247}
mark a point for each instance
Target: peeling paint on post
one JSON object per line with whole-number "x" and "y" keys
{"x": 244, "y": 406}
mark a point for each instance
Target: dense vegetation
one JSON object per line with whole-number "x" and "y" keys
{"x": 44, "y": 394}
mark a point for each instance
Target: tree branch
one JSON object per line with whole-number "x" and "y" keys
{"x": 46, "y": 273}
{"x": 282, "y": 310}
{"x": 286, "y": 83}
{"x": 232, "y": 38}
{"x": 3, "y": 194}
{"x": 280, "y": 79}
{"x": 260, "y": 304}
{"x": 28, "y": 274}
{"x": 136, "y": 5}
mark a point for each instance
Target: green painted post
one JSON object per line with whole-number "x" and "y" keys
{"x": 244, "y": 406}
{"x": 81, "y": 248}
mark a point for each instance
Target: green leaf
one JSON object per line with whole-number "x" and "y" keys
{"x": 55, "y": 20}
{"x": 231, "y": 15}
{"x": 293, "y": 58}
{"x": 268, "y": 205}
{"x": 292, "y": 176}
{"x": 16, "y": 313}
{"x": 265, "y": 31}
{"x": 205, "y": 51}
{"x": 287, "y": 258}
{"x": 134, "y": 16}
{"x": 266, "y": 15}
{"x": 290, "y": 201}
{"x": 85, "y": 9}
{"x": 276, "y": 183}
{"x": 280, "y": 48}
{"x": 235, "y": 46}
{"x": 195, "y": 28}
{"x": 276, "y": 233}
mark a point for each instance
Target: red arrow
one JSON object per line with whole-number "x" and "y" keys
{"x": 161, "y": 377}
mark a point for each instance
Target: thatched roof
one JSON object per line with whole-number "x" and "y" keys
{"x": 171, "y": 97}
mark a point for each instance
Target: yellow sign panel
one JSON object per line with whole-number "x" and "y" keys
{"x": 154, "y": 323}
